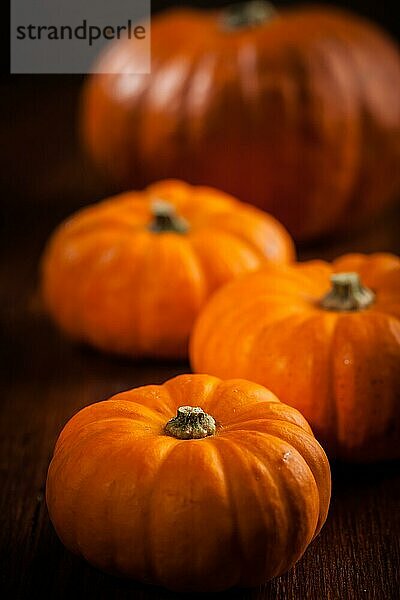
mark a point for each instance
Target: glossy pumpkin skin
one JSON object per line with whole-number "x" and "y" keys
{"x": 340, "y": 369}
{"x": 110, "y": 281}
{"x": 299, "y": 115}
{"x": 235, "y": 508}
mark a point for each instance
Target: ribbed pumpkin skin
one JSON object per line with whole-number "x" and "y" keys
{"x": 340, "y": 369}
{"x": 235, "y": 508}
{"x": 300, "y": 115}
{"x": 109, "y": 281}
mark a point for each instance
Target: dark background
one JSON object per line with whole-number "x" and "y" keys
{"x": 45, "y": 378}
{"x": 384, "y": 13}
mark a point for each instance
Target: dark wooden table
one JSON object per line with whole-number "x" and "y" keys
{"x": 45, "y": 379}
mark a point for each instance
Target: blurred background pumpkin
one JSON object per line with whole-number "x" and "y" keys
{"x": 45, "y": 166}
{"x": 130, "y": 274}
{"x": 294, "y": 110}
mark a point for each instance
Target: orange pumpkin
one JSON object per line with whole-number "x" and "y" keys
{"x": 295, "y": 110}
{"x": 129, "y": 275}
{"x": 335, "y": 356}
{"x": 229, "y": 492}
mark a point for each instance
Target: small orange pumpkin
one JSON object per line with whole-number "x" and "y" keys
{"x": 129, "y": 275}
{"x": 335, "y": 356}
{"x": 229, "y": 492}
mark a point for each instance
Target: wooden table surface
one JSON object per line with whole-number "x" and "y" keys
{"x": 46, "y": 379}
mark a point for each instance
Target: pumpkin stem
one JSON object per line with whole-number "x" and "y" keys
{"x": 246, "y": 14}
{"x": 165, "y": 218}
{"x": 191, "y": 422}
{"x": 347, "y": 293}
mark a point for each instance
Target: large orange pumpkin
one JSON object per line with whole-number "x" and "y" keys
{"x": 333, "y": 356}
{"x": 229, "y": 492}
{"x": 296, "y": 111}
{"x": 129, "y": 275}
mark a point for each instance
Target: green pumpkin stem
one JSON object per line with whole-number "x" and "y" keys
{"x": 190, "y": 423}
{"x": 347, "y": 293}
{"x": 165, "y": 218}
{"x": 247, "y": 14}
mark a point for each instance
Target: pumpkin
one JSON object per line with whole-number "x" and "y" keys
{"x": 129, "y": 275}
{"x": 295, "y": 110}
{"x": 334, "y": 354}
{"x": 196, "y": 485}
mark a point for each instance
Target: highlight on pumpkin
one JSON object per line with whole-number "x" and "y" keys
{"x": 142, "y": 464}
{"x": 130, "y": 275}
